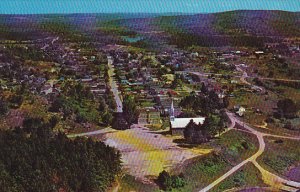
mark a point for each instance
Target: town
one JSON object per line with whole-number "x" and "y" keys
{"x": 192, "y": 118}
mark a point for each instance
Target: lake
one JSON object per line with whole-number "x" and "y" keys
{"x": 132, "y": 39}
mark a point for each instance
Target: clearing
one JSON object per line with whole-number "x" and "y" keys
{"x": 145, "y": 153}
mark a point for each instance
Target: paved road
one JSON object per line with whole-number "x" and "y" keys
{"x": 244, "y": 75}
{"x": 113, "y": 85}
{"x": 55, "y": 39}
{"x": 271, "y": 178}
{"x": 52, "y": 42}
{"x": 91, "y": 133}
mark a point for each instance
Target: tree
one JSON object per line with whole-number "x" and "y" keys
{"x": 56, "y": 105}
{"x": 31, "y": 124}
{"x": 287, "y": 108}
{"x": 203, "y": 89}
{"x": 102, "y": 105}
{"x": 3, "y": 107}
{"x": 213, "y": 125}
{"x": 213, "y": 100}
{"x": 188, "y": 102}
{"x": 225, "y": 102}
{"x": 176, "y": 83}
{"x": 163, "y": 176}
{"x": 167, "y": 181}
{"x": 7, "y": 182}
{"x": 45, "y": 162}
{"x": 130, "y": 109}
{"x": 16, "y": 99}
{"x": 195, "y": 134}
{"x": 198, "y": 134}
{"x": 107, "y": 118}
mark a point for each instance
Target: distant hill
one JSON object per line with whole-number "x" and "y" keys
{"x": 240, "y": 28}
{"x": 215, "y": 29}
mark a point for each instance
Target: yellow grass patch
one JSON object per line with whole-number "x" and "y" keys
{"x": 145, "y": 153}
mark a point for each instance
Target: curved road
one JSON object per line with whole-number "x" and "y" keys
{"x": 269, "y": 178}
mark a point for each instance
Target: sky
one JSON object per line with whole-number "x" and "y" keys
{"x": 141, "y": 6}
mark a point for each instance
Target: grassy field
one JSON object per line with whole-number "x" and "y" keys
{"x": 230, "y": 149}
{"x": 280, "y": 155}
{"x": 266, "y": 104}
{"x": 248, "y": 176}
{"x": 262, "y": 102}
{"x": 128, "y": 183}
{"x": 146, "y": 154}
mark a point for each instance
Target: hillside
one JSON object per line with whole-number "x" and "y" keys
{"x": 249, "y": 28}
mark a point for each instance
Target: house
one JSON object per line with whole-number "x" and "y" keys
{"x": 177, "y": 125}
{"x": 233, "y": 81}
{"x": 259, "y": 52}
{"x": 239, "y": 110}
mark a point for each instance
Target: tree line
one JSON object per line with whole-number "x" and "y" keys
{"x": 36, "y": 159}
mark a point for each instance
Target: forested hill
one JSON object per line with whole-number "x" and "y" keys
{"x": 261, "y": 23}
{"x": 215, "y": 29}
{"x": 40, "y": 160}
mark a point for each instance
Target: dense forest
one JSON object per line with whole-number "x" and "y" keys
{"x": 36, "y": 159}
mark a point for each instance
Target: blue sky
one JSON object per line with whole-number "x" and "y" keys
{"x": 149, "y": 6}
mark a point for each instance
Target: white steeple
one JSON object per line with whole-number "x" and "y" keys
{"x": 172, "y": 117}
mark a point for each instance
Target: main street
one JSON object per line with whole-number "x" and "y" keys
{"x": 113, "y": 85}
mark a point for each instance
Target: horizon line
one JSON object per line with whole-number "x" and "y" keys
{"x": 157, "y": 13}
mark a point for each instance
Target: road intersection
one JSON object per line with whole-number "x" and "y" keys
{"x": 271, "y": 179}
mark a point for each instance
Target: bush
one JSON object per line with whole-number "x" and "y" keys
{"x": 167, "y": 182}
{"x": 289, "y": 125}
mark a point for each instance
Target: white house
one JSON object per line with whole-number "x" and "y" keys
{"x": 241, "y": 111}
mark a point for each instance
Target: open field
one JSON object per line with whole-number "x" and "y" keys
{"x": 146, "y": 154}
{"x": 230, "y": 149}
{"x": 280, "y": 156}
{"x": 247, "y": 177}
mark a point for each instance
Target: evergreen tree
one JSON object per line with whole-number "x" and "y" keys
{"x": 130, "y": 109}
{"x": 3, "y": 107}
{"x": 44, "y": 161}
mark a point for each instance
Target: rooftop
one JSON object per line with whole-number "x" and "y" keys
{"x": 178, "y": 123}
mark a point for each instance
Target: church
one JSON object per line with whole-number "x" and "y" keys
{"x": 177, "y": 125}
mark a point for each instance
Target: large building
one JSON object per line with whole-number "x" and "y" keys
{"x": 177, "y": 125}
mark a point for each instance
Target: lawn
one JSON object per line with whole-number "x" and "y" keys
{"x": 280, "y": 155}
{"x": 230, "y": 149}
{"x": 247, "y": 177}
{"x": 262, "y": 102}
{"x": 147, "y": 104}
{"x": 129, "y": 183}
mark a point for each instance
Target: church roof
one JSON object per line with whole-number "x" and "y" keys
{"x": 178, "y": 123}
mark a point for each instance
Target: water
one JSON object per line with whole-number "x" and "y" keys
{"x": 132, "y": 39}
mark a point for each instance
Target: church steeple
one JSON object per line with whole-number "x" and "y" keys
{"x": 172, "y": 116}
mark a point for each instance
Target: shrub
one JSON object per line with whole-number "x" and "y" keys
{"x": 167, "y": 182}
